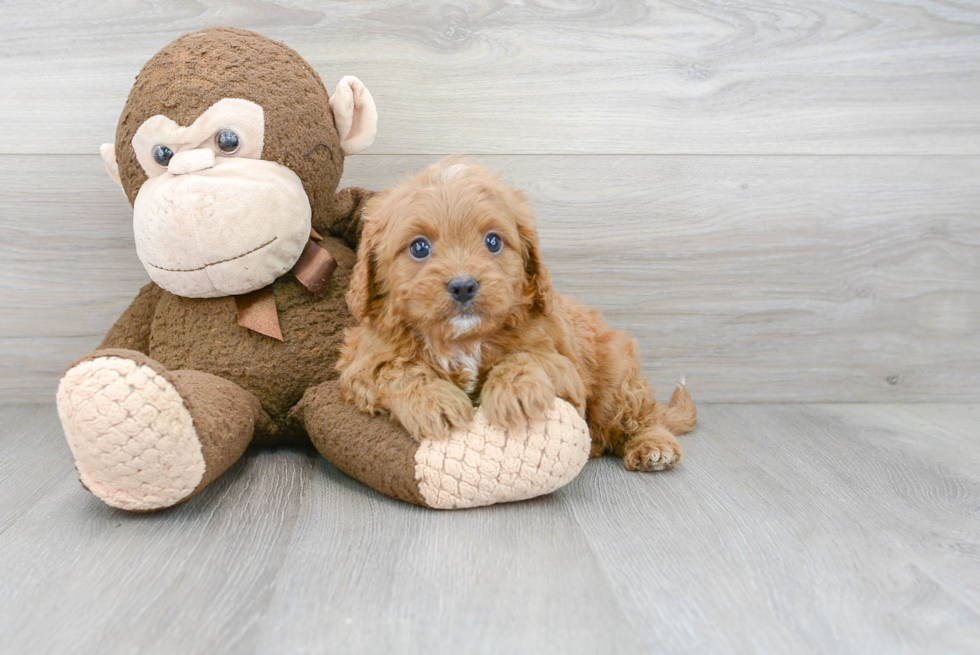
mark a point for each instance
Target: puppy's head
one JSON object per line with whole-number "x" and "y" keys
{"x": 452, "y": 253}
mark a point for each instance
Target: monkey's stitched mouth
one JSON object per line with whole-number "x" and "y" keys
{"x": 222, "y": 261}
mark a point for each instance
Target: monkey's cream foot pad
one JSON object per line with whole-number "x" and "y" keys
{"x": 482, "y": 465}
{"x": 133, "y": 440}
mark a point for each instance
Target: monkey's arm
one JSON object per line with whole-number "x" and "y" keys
{"x": 132, "y": 330}
{"x": 345, "y": 220}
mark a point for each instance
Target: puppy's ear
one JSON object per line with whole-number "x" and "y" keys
{"x": 361, "y": 290}
{"x": 538, "y": 279}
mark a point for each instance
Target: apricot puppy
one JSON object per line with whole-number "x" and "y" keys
{"x": 457, "y": 308}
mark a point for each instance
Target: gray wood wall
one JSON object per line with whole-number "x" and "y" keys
{"x": 780, "y": 200}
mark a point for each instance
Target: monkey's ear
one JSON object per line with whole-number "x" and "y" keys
{"x": 108, "y": 151}
{"x": 354, "y": 114}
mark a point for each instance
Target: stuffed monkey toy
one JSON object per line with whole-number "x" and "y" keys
{"x": 231, "y": 151}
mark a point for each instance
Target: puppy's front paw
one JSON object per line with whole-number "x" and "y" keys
{"x": 514, "y": 396}
{"x": 656, "y": 450}
{"x": 433, "y": 411}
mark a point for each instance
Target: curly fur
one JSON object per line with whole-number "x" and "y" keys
{"x": 426, "y": 359}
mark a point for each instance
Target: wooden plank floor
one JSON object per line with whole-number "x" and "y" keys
{"x": 788, "y": 529}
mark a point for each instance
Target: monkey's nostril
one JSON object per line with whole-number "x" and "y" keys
{"x": 462, "y": 289}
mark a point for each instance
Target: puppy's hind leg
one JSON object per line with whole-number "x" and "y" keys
{"x": 646, "y": 443}
{"x": 625, "y": 416}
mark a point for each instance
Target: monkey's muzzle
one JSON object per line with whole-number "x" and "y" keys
{"x": 220, "y": 226}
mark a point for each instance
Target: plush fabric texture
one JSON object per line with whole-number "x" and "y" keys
{"x": 108, "y": 152}
{"x": 355, "y": 115}
{"x": 225, "y": 418}
{"x": 482, "y": 465}
{"x": 203, "y": 334}
{"x": 133, "y": 439}
{"x": 246, "y": 119}
{"x": 189, "y": 161}
{"x": 178, "y": 389}
{"x": 196, "y": 70}
{"x": 370, "y": 449}
{"x": 477, "y": 466}
{"x": 228, "y": 229}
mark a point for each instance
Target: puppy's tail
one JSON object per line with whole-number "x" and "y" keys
{"x": 680, "y": 415}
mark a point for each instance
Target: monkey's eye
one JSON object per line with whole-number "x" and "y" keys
{"x": 162, "y": 155}
{"x": 420, "y": 249}
{"x": 227, "y": 142}
{"x": 494, "y": 243}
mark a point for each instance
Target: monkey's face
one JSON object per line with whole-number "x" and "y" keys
{"x": 214, "y": 219}
{"x": 229, "y": 147}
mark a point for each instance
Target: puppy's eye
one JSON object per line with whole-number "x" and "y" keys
{"x": 162, "y": 155}
{"x": 494, "y": 242}
{"x": 227, "y": 142}
{"x": 420, "y": 249}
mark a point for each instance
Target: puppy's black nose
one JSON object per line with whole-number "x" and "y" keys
{"x": 462, "y": 289}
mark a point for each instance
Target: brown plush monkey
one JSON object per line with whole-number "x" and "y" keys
{"x": 231, "y": 152}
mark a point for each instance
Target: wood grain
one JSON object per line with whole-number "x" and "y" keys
{"x": 758, "y": 278}
{"x": 779, "y": 200}
{"x": 787, "y": 528}
{"x": 407, "y": 580}
{"x": 839, "y": 528}
{"x": 610, "y": 76}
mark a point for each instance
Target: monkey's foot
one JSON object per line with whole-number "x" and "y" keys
{"x": 476, "y": 466}
{"x": 134, "y": 443}
{"x": 482, "y": 465}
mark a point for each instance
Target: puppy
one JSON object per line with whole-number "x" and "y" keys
{"x": 456, "y": 308}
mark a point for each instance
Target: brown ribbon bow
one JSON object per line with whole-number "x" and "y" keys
{"x": 257, "y": 310}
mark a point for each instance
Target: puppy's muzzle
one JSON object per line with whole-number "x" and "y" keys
{"x": 462, "y": 289}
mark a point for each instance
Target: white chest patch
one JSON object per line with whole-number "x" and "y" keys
{"x": 466, "y": 362}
